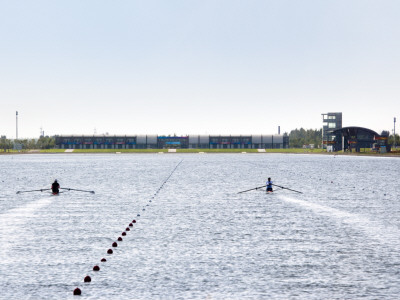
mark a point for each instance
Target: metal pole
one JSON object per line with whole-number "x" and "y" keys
{"x": 322, "y": 142}
{"x": 16, "y": 125}
{"x": 394, "y": 133}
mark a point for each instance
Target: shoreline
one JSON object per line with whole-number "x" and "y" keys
{"x": 198, "y": 151}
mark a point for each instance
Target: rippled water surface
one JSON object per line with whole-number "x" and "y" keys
{"x": 195, "y": 237}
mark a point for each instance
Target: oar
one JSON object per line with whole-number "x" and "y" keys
{"x": 41, "y": 190}
{"x": 69, "y": 189}
{"x": 282, "y": 187}
{"x": 252, "y": 189}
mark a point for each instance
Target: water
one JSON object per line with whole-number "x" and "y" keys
{"x": 198, "y": 238}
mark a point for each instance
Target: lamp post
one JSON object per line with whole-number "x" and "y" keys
{"x": 16, "y": 125}
{"x": 394, "y": 133}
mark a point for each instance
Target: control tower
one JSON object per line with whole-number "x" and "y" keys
{"x": 331, "y": 122}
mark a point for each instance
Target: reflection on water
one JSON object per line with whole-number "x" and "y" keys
{"x": 195, "y": 236}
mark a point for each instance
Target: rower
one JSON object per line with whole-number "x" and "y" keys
{"x": 55, "y": 187}
{"x": 269, "y": 185}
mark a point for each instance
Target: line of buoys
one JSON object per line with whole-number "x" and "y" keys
{"x": 96, "y": 268}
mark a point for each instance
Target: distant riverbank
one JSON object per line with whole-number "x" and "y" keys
{"x": 200, "y": 151}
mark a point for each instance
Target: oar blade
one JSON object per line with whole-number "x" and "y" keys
{"x": 282, "y": 187}
{"x": 256, "y": 188}
{"x": 41, "y": 190}
{"x": 70, "y": 189}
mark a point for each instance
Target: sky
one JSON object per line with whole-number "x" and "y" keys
{"x": 196, "y": 66}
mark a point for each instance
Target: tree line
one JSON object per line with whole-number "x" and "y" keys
{"x": 391, "y": 140}
{"x": 300, "y": 137}
{"x": 44, "y": 142}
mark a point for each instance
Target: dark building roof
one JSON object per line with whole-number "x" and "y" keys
{"x": 354, "y": 130}
{"x": 357, "y": 138}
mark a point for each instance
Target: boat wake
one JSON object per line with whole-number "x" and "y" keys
{"x": 317, "y": 208}
{"x": 374, "y": 229}
{"x": 12, "y": 224}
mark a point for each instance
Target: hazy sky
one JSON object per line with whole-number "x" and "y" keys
{"x": 188, "y": 67}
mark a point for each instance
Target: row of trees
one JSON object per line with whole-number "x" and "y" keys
{"x": 391, "y": 140}
{"x": 300, "y": 137}
{"x": 44, "y": 142}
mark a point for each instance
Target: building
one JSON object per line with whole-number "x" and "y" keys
{"x": 331, "y": 122}
{"x": 358, "y": 138}
{"x": 176, "y": 142}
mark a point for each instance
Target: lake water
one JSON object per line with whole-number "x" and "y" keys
{"x": 196, "y": 238}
